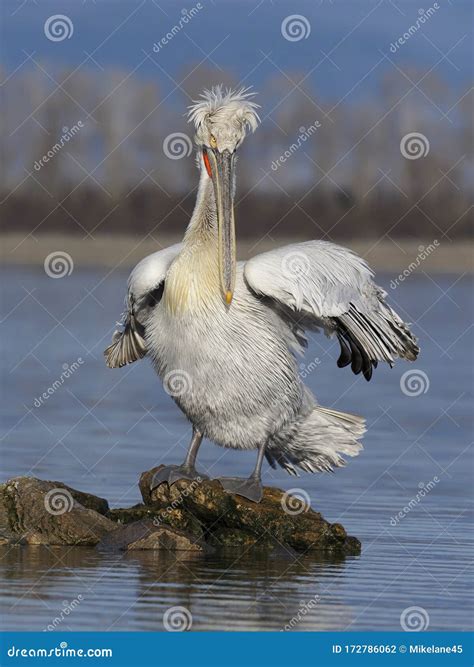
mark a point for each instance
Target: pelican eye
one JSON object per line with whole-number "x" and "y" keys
{"x": 212, "y": 141}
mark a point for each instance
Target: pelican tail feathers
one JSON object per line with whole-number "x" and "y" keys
{"x": 317, "y": 441}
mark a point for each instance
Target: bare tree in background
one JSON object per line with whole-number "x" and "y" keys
{"x": 115, "y": 174}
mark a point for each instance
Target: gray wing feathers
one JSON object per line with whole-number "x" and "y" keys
{"x": 322, "y": 285}
{"x": 315, "y": 277}
{"x": 127, "y": 343}
{"x": 145, "y": 287}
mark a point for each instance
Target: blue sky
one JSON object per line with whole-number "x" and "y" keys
{"x": 245, "y": 37}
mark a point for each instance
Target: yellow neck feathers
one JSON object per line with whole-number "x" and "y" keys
{"x": 192, "y": 282}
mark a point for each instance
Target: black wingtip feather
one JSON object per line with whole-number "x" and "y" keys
{"x": 368, "y": 372}
{"x": 356, "y": 365}
{"x": 353, "y": 353}
{"x": 345, "y": 356}
{"x": 387, "y": 334}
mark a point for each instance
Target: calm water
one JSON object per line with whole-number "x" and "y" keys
{"x": 100, "y": 429}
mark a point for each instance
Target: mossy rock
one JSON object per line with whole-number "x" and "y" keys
{"x": 235, "y": 521}
{"x": 34, "y": 511}
{"x": 186, "y": 516}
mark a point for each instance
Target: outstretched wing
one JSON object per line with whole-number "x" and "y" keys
{"x": 145, "y": 289}
{"x": 317, "y": 284}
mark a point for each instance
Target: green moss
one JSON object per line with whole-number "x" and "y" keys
{"x": 14, "y": 520}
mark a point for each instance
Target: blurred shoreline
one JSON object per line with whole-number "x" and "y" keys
{"x": 124, "y": 251}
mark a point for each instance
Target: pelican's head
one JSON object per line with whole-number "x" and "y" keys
{"x": 222, "y": 119}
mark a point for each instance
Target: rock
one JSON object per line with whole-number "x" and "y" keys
{"x": 278, "y": 521}
{"x": 186, "y": 517}
{"x": 34, "y": 511}
{"x": 172, "y": 517}
{"x": 145, "y": 534}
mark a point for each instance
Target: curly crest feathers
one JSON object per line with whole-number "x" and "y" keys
{"x": 219, "y": 105}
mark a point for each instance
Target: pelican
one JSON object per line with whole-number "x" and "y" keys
{"x": 224, "y": 335}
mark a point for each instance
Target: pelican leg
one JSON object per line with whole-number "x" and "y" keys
{"x": 187, "y": 470}
{"x": 250, "y": 488}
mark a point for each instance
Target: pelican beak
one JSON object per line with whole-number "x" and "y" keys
{"x": 223, "y": 180}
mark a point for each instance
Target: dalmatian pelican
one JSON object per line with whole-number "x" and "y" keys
{"x": 229, "y": 331}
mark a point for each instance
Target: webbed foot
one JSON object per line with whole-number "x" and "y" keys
{"x": 250, "y": 488}
{"x": 172, "y": 474}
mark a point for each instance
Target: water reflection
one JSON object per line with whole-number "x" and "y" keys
{"x": 231, "y": 591}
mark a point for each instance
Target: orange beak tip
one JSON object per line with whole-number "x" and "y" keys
{"x": 228, "y": 297}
